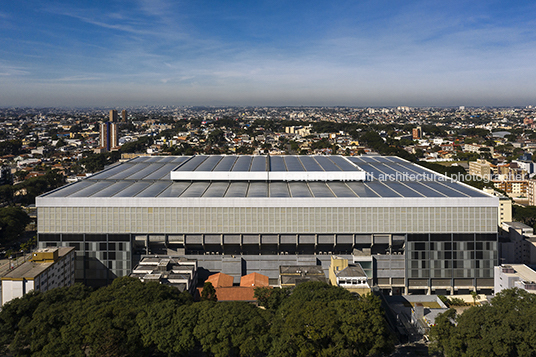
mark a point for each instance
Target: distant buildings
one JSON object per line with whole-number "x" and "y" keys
{"x": 481, "y": 168}
{"x": 48, "y": 268}
{"x": 113, "y": 116}
{"x": 417, "y": 133}
{"x": 108, "y": 138}
{"x": 124, "y": 115}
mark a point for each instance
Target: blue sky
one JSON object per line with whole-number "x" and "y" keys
{"x": 352, "y": 53}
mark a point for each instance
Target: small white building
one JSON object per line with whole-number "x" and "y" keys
{"x": 520, "y": 276}
{"x": 48, "y": 268}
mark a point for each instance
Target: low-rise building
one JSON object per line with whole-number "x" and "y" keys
{"x": 509, "y": 276}
{"x": 178, "y": 272}
{"x": 518, "y": 244}
{"x": 225, "y": 291}
{"x": 290, "y": 276}
{"x": 47, "y": 269}
{"x": 351, "y": 277}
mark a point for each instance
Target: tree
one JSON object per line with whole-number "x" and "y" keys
{"x": 6, "y": 194}
{"x": 503, "y": 328}
{"x": 169, "y": 327}
{"x": 271, "y": 298}
{"x": 232, "y": 329}
{"x": 208, "y": 293}
{"x": 61, "y": 142}
{"x": 330, "y": 324}
{"x": 32, "y": 322}
{"x": 13, "y": 222}
{"x": 475, "y": 296}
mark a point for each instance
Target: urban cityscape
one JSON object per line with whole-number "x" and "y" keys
{"x": 267, "y": 179}
{"x": 433, "y": 206}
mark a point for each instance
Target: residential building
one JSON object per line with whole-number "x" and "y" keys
{"x": 481, "y": 168}
{"x": 113, "y": 116}
{"x": 417, "y": 133}
{"x": 518, "y": 244}
{"x": 348, "y": 276}
{"x": 47, "y": 269}
{"x": 108, "y": 136}
{"x": 508, "y": 276}
{"x": 531, "y": 192}
{"x": 514, "y": 188}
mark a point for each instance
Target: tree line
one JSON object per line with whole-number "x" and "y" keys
{"x": 505, "y": 327}
{"x": 131, "y": 318}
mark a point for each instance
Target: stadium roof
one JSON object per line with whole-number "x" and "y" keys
{"x": 149, "y": 177}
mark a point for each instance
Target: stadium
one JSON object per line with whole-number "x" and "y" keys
{"x": 411, "y": 230}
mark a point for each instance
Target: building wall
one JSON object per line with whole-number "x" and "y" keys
{"x": 98, "y": 258}
{"x": 12, "y": 289}
{"x": 59, "y": 274}
{"x": 267, "y": 219}
{"x": 505, "y": 210}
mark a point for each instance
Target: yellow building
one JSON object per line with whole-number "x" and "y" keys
{"x": 350, "y": 277}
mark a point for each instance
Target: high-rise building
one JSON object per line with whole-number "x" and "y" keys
{"x": 108, "y": 136}
{"x": 417, "y": 133}
{"x": 124, "y": 115}
{"x": 113, "y": 116}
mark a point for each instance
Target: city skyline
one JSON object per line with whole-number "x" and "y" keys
{"x": 266, "y": 53}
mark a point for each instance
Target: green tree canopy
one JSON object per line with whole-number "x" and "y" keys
{"x": 503, "y": 328}
{"x": 208, "y": 293}
{"x": 13, "y": 222}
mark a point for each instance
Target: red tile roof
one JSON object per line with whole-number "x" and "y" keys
{"x": 220, "y": 280}
{"x": 235, "y": 293}
{"x": 254, "y": 280}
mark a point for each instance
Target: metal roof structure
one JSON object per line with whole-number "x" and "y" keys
{"x": 221, "y": 176}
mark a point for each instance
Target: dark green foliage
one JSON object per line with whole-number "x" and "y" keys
{"x": 450, "y": 171}
{"x": 31, "y": 323}
{"x": 271, "y": 298}
{"x": 169, "y": 327}
{"x": 329, "y": 321}
{"x": 6, "y": 194}
{"x": 36, "y": 186}
{"x": 390, "y": 147}
{"x": 96, "y": 162}
{"x": 232, "y": 329}
{"x": 318, "y": 291}
{"x": 13, "y": 221}
{"x": 504, "y": 328}
{"x": 525, "y": 215}
{"x": 10, "y": 147}
{"x": 457, "y": 302}
{"x": 131, "y": 318}
{"x": 208, "y": 293}
{"x": 74, "y": 321}
{"x": 139, "y": 145}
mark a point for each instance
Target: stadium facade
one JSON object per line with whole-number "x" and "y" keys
{"x": 412, "y": 230}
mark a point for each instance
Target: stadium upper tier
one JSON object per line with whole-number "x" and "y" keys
{"x": 264, "y": 177}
